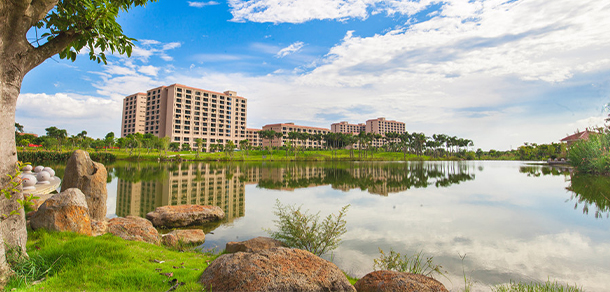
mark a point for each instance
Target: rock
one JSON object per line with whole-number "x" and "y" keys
{"x": 275, "y": 269}
{"x": 66, "y": 211}
{"x": 133, "y": 228}
{"x": 253, "y": 245}
{"x": 184, "y": 215}
{"x": 379, "y": 281}
{"x": 186, "y": 237}
{"x": 90, "y": 177}
{"x": 99, "y": 227}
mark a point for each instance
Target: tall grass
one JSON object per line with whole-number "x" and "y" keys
{"x": 415, "y": 264}
{"x": 592, "y": 155}
{"x": 547, "y": 286}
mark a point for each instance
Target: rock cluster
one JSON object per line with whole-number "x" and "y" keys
{"x": 184, "y": 215}
{"x": 90, "y": 177}
{"x": 275, "y": 269}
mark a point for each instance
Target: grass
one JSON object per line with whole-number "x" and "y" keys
{"x": 547, "y": 286}
{"x": 73, "y": 262}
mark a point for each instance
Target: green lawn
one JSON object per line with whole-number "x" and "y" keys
{"x": 106, "y": 263}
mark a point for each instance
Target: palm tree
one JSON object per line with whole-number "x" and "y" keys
{"x": 244, "y": 145}
{"x": 199, "y": 143}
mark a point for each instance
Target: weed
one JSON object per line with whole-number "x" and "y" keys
{"x": 415, "y": 264}
{"x": 547, "y": 286}
{"x": 302, "y": 230}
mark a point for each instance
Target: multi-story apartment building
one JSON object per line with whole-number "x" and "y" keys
{"x": 382, "y": 126}
{"x": 134, "y": 114}
{"x": 345, "y": 127}
{"x": 286, "y": 128}
{"x": 253, "y": 137}
{"x": 185, "y": 114}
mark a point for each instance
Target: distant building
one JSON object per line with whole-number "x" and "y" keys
{"x": 344, "y": 127}
{"x": 185, "y": 113}
{"x": 577, "y": 136}
{"x": 286, "y": 128}
{"x": 253, "y": 137}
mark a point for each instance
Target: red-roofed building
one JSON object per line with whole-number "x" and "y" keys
{"x": 578, "y": 136}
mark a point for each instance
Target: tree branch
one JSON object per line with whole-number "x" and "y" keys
{"x": 50, "y": 48}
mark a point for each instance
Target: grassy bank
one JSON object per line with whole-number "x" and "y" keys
{"x": 73, "y": 262}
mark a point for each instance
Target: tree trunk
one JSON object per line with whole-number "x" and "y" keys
{"x": 13, "y": 231}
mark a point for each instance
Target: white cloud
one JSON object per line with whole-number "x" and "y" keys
{"x": 149, "y": 70}
{"x": 146, "y": 49}
{"x": 201, "y": 4}
{"x": 297, "y": 11}
{"x": 293, "y": 48}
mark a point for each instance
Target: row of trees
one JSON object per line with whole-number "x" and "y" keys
{"x": 415, "y": 143}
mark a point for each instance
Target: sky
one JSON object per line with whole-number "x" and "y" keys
{"x": 498, "y": 72}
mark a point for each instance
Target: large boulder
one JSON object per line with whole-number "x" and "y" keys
{"x": 184, "y": 215}
{"x": 275, "y": 269}
{"x": 183, "y": 236}
{"x": 253, "y": 245}
{"x": 90, "y": 177}
{"x": 99, "y": 227}
{"x": 66, "y": 211}
{"x": 134, "y": 228}
{"x": 380, "y": 281}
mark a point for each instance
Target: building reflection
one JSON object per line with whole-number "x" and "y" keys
{"x": 142, "y": 187}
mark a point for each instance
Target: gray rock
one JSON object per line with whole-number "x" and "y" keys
{"x": 66, "y": 211}
{"x": 90, "y": 177}
{"x": 253, "y": 245}
{"x": 275, "y": 269}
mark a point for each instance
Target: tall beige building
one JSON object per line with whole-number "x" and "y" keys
{"x": 382, "y": 126}
{"x": 186, "y": 113}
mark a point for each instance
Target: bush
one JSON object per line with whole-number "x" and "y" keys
{"x": 302, "y": 230}
{"x": 403, "y": 263}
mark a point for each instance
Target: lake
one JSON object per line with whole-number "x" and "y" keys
{"x": 511, "y": 220}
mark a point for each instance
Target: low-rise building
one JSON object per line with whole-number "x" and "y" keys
{"x": 317, "y": 140}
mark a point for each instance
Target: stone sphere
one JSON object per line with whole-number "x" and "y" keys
{"x": 38, "y": 169}
{"x": 43, "y": 177}
{"x": 29, "y": 181}
{"x": 27, "y": 169}
{"x": 50, "y": 171}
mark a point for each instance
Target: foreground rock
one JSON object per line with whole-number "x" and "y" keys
{"x": 66, "y": 211}
{"x": 183, "y": 237}
{"x": 380, "y": 281}
{"x": 134, "y": 228}
{"x": 253, "y": 245}
{"x": 184, "y": 215}
{"x": 275, "y": 269}
{"x": 90, "y": 177}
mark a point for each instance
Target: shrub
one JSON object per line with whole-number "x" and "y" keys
{"x": 402, "y": 263}
{"x": 302, "y": 230}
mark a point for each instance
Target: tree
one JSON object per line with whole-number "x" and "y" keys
{"x": 199, "y": 142}
{"x": 69, "y": 27}
{"x": 229, "y": 147}
{"x": 244, "y": 145}
{"x": 109, "y": 140}
{"x": 18, "y": 128}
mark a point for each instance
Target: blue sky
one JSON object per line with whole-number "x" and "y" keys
{"x": 498, "y": 72}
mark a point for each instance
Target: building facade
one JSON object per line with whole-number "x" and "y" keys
{"x": 345, "y": 127}
{"x": 383, "y": 126}
{"x": 286, "y": 128}
{"x": 253, "y": 137}
{"x": 185, "y": 114}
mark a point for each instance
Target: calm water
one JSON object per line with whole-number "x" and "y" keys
{"x": 513, "y": 221}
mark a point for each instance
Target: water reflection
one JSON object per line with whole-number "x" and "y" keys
{"x": 142, "y": 187}
{"x": 587, "y": 192}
